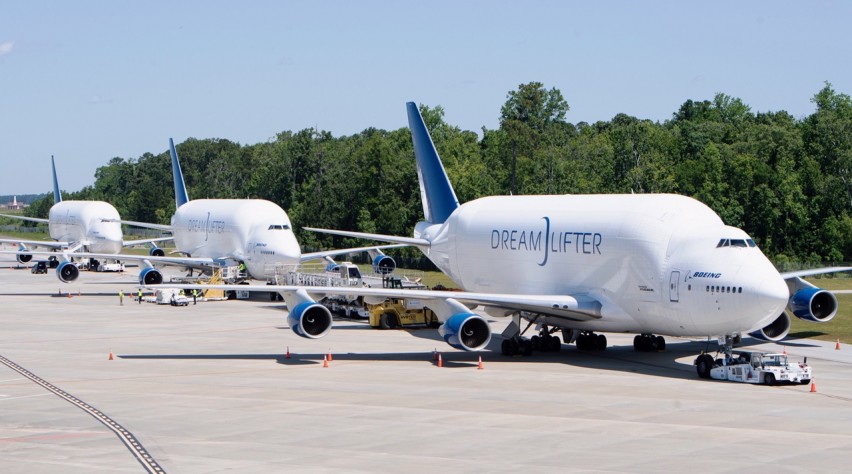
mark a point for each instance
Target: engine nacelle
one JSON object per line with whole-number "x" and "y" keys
{"x": 67, "y": 272}
{"x": 310, "y": 319}
{"x": 383, "y": 264}
{"x": 156, "y": 251}
{"x": 776, "y": 330}
{"x": 466, "y": 331}
{"x": 814, "y": 304}
{"x": 150, "y": 276}
{"x": 24, "y": 258}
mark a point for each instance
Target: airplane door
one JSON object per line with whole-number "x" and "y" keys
{"x": 673, "y": 286}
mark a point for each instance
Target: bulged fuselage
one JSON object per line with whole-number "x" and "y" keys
{"x": 83, "y": 221}
{"x": 254, "y": 231}
{"x": 658, "y": 263}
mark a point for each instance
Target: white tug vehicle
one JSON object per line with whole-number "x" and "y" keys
{"x": 754, "y": 367}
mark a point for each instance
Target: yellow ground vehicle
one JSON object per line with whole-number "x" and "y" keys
{"x": 400, "y": 312}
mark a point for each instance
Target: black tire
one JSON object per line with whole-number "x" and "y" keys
{"x": 555, "y": 344}
{"x": 600, "y": 342}
{"x": 637, "y": 343}
{"x": 661, "y": 343}
{"x": 385, "y": 321}
{"x": 703, "y": 364}
{"x": 536, "y": 343}
{"x": 526, "y": 348}
{"x": 769, "y": 379}
{"x": 506, "y": 347}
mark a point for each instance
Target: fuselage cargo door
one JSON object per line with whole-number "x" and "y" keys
{"x": 673, "y": 286}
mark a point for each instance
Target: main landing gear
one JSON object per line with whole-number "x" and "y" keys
{"x": 545, "y": 341}
{"x": 649, "y": 343}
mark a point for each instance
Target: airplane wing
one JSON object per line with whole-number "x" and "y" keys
{"x": 24, "y": 218}
{"x": 194, "y": 262}
{"x": 38, "y": 243}
{"x": 814, "y": 271}
{"x": 381, "y": 237}
{"x": 131, "y": 243}
{"x": 144, "y": 225}
{"x": 576, "y": 308}
{"x": 332, "y": 253}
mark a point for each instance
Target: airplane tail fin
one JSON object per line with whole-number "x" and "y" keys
{"x": 57, "y": 196}
{"x": 436, "y": 192}
{"x": 181, "y": 197}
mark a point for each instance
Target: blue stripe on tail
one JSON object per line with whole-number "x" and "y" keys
{"x": 57, "y": 196}
{"x": 181, "y": 197}
{"x": 436, "y": 192}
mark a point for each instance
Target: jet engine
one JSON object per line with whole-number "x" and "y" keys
{"x": 310, "y": 319}
{"x": 24, "y": 258}
{"x": 814, "y": 304}
{"x": 156, "y": 251}
{"x": 383, "y": 264}
{"x": 776, "y": 330}
{"x": 466, "y": 331}
{"x": 150, "y": 276}
{"x": 67, "y": 272}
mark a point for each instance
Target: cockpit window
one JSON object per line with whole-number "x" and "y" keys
{"x": 736, "y": 243}
{"x": 279, "y": 227}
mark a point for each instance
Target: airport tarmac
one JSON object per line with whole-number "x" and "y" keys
{"x": 207, "y": 388}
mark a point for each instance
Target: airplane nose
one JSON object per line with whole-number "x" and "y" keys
{"x": 773, "y": 295}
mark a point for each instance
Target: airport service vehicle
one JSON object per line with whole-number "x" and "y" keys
{"x": 754, "y": 367}
{"x": 645, "y": 264}
{"x": 401, "y": 312}
{"x": 39, "y": 267}
{"x": 171, "y": 296}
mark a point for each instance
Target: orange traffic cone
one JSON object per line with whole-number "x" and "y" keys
{"x": 110, "y": 355}
{"x": 480, "y": 364}
{"x": 329, "y": 356}
{"x": 69, "y": 294}
{"x": 837, "y": 346}
{"x": 813, "y": 386}
{"x": 287, "y": 355}
{"x": 325, "y": 361}
{"x": 440, "y": 361}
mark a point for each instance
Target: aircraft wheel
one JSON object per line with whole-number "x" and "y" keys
{"x": 703, "y": 365}
{"x": 661, "y": 343}
{"x": 555, "y": 344}
{"x": 600, "y": 342}
{"x": 526, "y": 347}
{"x": 506, "y": 347}
{"x": 536, "y": 343}
{"x": 637, "y": 343}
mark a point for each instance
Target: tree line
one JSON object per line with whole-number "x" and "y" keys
{"x": 786, "y": 181}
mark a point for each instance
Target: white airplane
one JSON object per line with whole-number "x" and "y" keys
{"x": 212, "y": 233}
{"x": 75, "y": 226}
{"x": 649, "y": 264}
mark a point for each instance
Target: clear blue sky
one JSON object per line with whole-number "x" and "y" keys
{"x": 87, "y": 81}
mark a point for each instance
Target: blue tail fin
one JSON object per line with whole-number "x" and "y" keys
{"x": 436, "y": 192}
{"x": 57, "y": 196}
{"x": 181, "y": 197}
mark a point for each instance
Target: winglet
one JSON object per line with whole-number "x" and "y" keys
{"x": 181, "y": 197}
{"x": 436, "y": 192}
{"x": 57, "y": 196}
